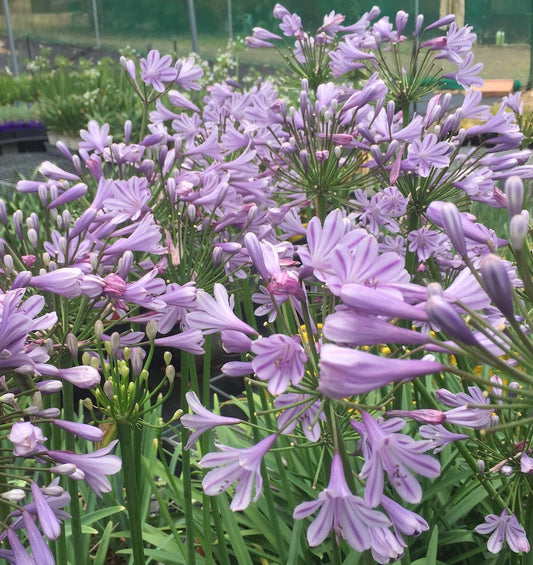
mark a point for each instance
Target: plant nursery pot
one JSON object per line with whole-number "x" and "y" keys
{"x": 22, "y": 137}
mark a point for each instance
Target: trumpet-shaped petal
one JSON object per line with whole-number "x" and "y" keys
{"x": 241, "y": 465}
{"x": 504, "y": 527}
{"x": 395, "y": 454}
{"x": 202, "y": 419}
{"x": 27, "y": 438}
{"x": 403, "y": 520}
{"x": 439, "y": 436}
{"x": 292, "y": 405}
{"x": 95, "y": 466}
{"x": 347, "y": 372}
{"x": 216, "y": 314}
{"x": 279, "y": 360}
{"x": 341, "y": 511}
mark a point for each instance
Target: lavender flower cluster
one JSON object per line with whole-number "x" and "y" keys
{"x": 339, "y": 217}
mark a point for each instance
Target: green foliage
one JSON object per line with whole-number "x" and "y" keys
{"x": 15, "y": 89}
{"x": 18, "y": 112}
{"x": 68, "y": 95}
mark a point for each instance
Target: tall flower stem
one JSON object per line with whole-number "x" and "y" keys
{"x": 204, "y": 442}
{"x": 188, "y": 369}
{"x": 131, "y": 482}
{"x": 528, "y": 558}
{"x": 70, "y": 444}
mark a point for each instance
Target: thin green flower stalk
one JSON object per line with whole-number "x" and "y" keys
{"x": 126, "y": 402}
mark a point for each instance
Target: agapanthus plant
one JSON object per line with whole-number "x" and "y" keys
{"x": 377, "y": 325}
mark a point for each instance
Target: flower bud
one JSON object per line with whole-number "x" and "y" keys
{"x": 14, "y": 495}
{"x": 64, "y": 469}
{"x": 497, "y": 283}
{"x": 506, "y": 470}
{"x": 170, "y": 373}
{"x": 128, "y": 126}
{"x": 87, "y": 404}
{"x": 49, "y": 413}
{"x": 217, "y": 256}
{"x": 76, "y": 162}
{"x": 43, "y": 195}
{"x": 98, "y": 329}
{"x": 33, "y": 238}
{"x": 443, "y": 314}
{"x": 52, "y": 490}
{"x": 72, "y": 344}
{"x": 115, "y": 342}
{"x": 453, "y": 226}
{"x": 3, "y": 212}
{"x": 304, "y": 158}
{"x": 151, "y": 330}
{"x": 49, "y": 387}
{"x": 401, "y": 21}
{"x": 518, "y": 230}
{"x": 109, "y": 389}
{"x": 136, "y": 361}
{"x": 8, "y": 264}
{"x": 514, "y": 192}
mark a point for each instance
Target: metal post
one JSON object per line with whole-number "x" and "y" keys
{"x": 530, "y": 78}
{"x": 96, "y": 28}
{"x": 11, "y": 40}
{"x": 230, "y": 22}
{"x": 192, "y": 25}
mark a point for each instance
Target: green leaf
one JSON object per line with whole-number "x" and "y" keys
{"x": 100, "y": 514}
{"x": 99, "y": 558}
{"x": 236, "y": 540}
{"x": 459, "y": 508}
{"x": 431, "y": 557}
{"x": 292, "y": 557}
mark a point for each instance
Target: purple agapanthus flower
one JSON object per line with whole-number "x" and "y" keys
{"x": 94, "y": 467}
{"x": 279, "y": 359}
{"x": 346, "y": 372}
{"x": 27, "y": 439}
{"x": 202, "y": 419}
{"x": 47, "y": 504}
{"x": 405, "y": 521}
{"x": 157, "y": 70}
{"x": 461, "y": 414}
{"x": 428, "y": 153}
{"x": 467, "y": 75}
{"x": 424, "y": 242}
{"x": 126, "y": 199}
{"x": 341, "y": 511}
{"x": 504, "y": 527}
{"x": 95, "y": 138}
{"x": 397, "y": 455}
{"x": 188, "y": 72}
{"x": 300, "y": 408}
{"x": 241, "y": 465}
{"x": 216, "y": 314}
{"x": 439, "y": 436}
